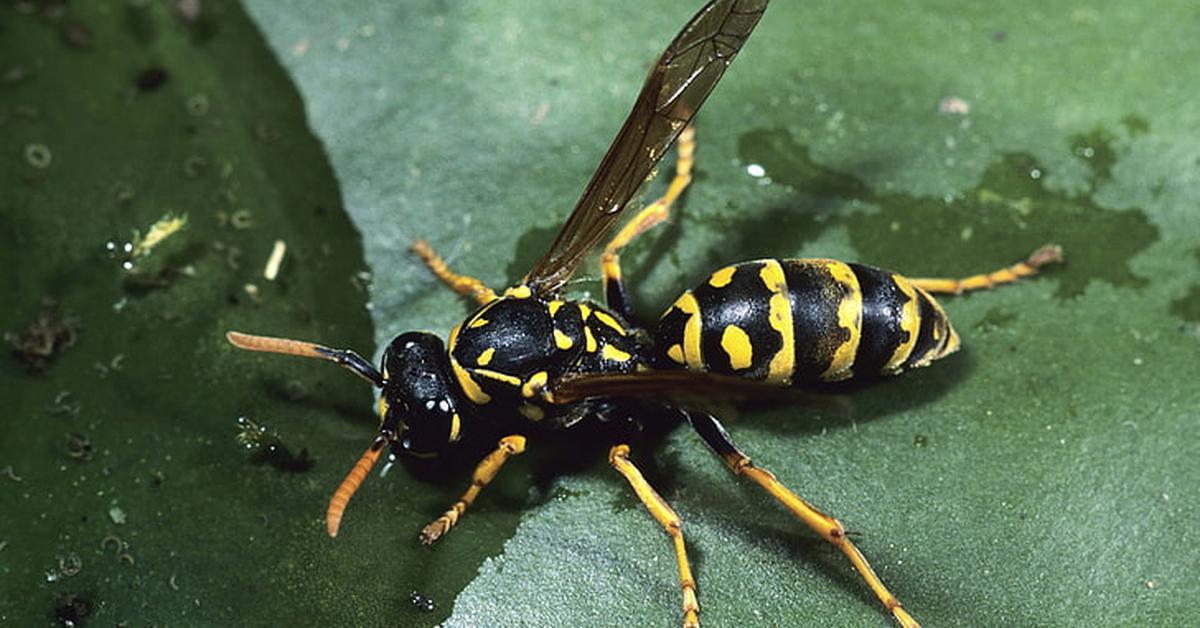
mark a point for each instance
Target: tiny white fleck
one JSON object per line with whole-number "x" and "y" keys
{"x": 755, "y": 170}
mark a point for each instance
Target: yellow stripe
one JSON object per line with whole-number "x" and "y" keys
{"x": 485, "y": 357}
{"x": 604, "y": 317}
{"x": 534, "y": 384}
{"x": 584, "y": 311}
{"x": 478, "y": 322}
{"x": 382, "y": 407}
{"x": 736, "y": 344}
{"x": 910, "y": 321}
{"x": 783, "y": 363}
{"x": 610, "y": 352}
{"x": 468, "y": 385}
{"x": 722, "y": 277}
{"x": 455, "y": 426}
{"x": 849, "y": 318}
{"x": 675, "y": 352}
{"x": 589, "y": 340}
{"x": 691, "y": 331}
{"x": 519, "y": 292}
{"x": 511, "y": 380}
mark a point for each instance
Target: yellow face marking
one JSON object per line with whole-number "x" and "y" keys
{"x": 553, "y": 306}
{"x": 455, "y": 426}
{"x": 519, "y": 292}
{"x": 534, "y": 384}
{"x": 468, "y": 385}
{"x": 382, "y": 407}
{"x": 849, "y": 318}
{"x": 910, "y": 322}
{"x": 736, "y": 344}
{"x": 478, "y": 322}
{"x": 511, "y": 380}
{"x": 722, "y": 277}
{"x": 675, "y": 352}
{"x": 589, "y": 340}
{"x": 562, "y": 341}
{"x": 605, "y": 318}
{"x": 691, "y": 331}
{"x": 783, "y": 363}
{"x": 532, "y": 412}
{"x": 486, "y": 357}
{"x": 610, "y": 352}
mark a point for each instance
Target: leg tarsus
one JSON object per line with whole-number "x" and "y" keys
{"x": 462, "y": 284}
{"x": 662, "y": 512}
{"x": 1047, "y": 254}
{"x": 485, "y": 472}
{"x": 829, "y": 528}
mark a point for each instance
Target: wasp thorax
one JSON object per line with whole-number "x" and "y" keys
{"x": 419, "y": 395}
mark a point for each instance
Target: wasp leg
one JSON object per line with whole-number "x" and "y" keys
{"x": 827, "y": 527}
{"x": 618, "y": 456}
{"x": 646, "y": 219}
{"x": 1048, "y": 254}
{"x": 462, "y": 284}
{"x": 344, "y": 357}
{"x": 484, "y": 473}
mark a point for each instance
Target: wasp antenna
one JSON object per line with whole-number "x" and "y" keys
{"x": 286, "y": 346}
{"x": 341, "y": 497}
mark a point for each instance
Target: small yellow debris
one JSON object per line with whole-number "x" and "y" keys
{"x": 166, "y": 227}
{"x": 273, "y": 262}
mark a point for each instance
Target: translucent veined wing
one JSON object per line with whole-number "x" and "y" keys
{"x": 682, "y": 79}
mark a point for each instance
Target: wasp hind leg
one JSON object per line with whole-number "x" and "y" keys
{"x": 485, "y": 472}
{"x": 827, "y": 527}
{"x": 1048, "y": 254}
{"x": 462, "y": 284}
{"x": 618, "y": 456}
{"x": 649, "y": 217}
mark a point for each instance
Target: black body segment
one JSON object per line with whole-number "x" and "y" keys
{"x": 506, "y": 353}
{"x": 800, "y": 321}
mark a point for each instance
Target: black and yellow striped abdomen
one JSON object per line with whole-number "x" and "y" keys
{"x": 799, "y": 321}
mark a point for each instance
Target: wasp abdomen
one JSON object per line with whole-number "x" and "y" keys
{"x": 798, "y": 321}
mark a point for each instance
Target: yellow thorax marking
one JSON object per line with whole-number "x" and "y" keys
{"x": 511, "y": 380}
{"x": 534, "y": 384}
{"x": 469, "y": 386}
{"x": 605, "y": 318}
{"x": 519, "y": 292}
{"x": 485, "y": 358}
{"x": 562, "y": 341}
{"x": 610, "y": 352}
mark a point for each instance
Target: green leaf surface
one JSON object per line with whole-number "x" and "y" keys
{"x": 1045, "y": 475}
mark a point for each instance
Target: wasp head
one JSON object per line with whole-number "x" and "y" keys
{"x": 419, "y": 404}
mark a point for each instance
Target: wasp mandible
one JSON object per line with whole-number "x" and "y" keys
{"x": 534, "y": 362}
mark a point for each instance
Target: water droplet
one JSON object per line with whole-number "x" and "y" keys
{"x": 756, "y": 170}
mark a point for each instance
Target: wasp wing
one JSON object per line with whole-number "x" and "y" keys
{"x": 682, "y": 79}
